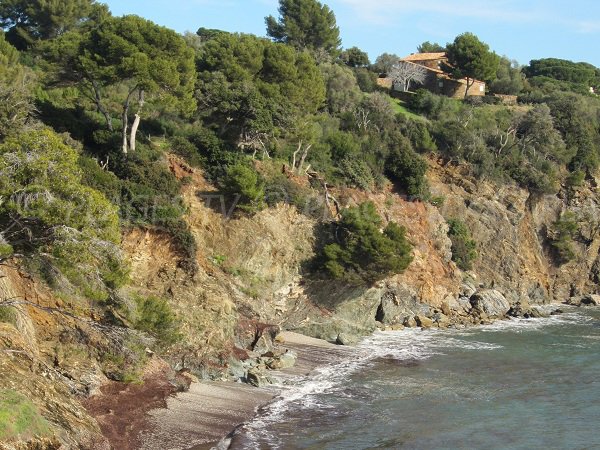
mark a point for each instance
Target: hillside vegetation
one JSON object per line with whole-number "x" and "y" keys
{"x": 148, "y": 179}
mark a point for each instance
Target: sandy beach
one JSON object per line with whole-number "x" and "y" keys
{"x": 201, "y": 417}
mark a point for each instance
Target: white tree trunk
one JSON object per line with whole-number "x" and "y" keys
{"x": 125, "y": 122}
{"x": 136, "y": 122}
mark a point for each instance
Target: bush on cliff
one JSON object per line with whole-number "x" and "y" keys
{"x": 47, "y": 212}
{"x": 362, "y": 252}
{"x": 243, "y": 185}
{"x": 562, "y": 235}
{"x": 155, "y": 316}
{"x": 463, "y": 247}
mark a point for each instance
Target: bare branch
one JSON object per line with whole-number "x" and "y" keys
{"x": 404, "y": 73}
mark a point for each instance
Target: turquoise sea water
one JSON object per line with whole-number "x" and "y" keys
{"x": 519, "y": 384}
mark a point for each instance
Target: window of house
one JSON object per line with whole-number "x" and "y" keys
{"x": 440, "y": 83}
{"x": 481, "y": 88}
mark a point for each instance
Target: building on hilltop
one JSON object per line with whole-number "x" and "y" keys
{"x": 436, "y": 80}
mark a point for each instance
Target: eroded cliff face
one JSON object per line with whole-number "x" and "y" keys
{"x": 252, "y": 280}
{"x": 252, "y": 268}
{"x": 512, "y": 229}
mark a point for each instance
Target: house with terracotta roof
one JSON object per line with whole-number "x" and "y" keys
{"x": 438, "y": 81}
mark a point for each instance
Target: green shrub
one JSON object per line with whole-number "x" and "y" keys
{"x": 126, "y": 366}
{"x": 463, "y": 246}
{"x": 186, "y": 149}
{"x": 6, "y": 250}
{"x": 44, "y": 171}
{"x": 357, "y": 173}
{"x": 363, "y": 253}
{"x": 243, "y": 184}
{"x": 407, "y": 169}
{"x": 155, "y": 316}
{"x": 576, "y": 178}
{"x": 20, "y": 418}
{"x": 561, "y": 236}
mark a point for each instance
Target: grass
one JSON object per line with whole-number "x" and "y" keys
{"x": 400, "y": 108}
{"x": 19, "y": 417}
{"x": 8, "y": 314}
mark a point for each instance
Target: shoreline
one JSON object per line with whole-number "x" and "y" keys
{"x": 209, "y": 413}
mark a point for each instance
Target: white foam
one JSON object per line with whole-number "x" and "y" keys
{"x": 404, "y": 345}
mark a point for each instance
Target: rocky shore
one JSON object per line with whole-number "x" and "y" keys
{"x": 205, "y": 414}
{"x": 209, "y": 413}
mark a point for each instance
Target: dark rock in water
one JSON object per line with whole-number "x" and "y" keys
{"x": 490, "y": 302}
{"x": 518, "y": 311}
{"x": 391, "y": 361}
{"x": 556, "y": 312}
{"x": 584, "y": 300}
{"x": 590, "y": 300}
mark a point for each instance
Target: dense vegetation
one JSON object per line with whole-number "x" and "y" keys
{"x": 362, "y": 252}
{"x": 90, "y": 104}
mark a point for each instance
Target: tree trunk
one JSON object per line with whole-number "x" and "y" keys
{"x": 304, "y": 155}
{"x": 125, "y": 120}
{"x": 469, "y": 85}
{"x": 125, "y": 123}
{"x": 100, "y": 106}
{"x": 136, "y": 122}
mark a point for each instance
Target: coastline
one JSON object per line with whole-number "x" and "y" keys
{"x": 208, "y": 414}
{"x": 205, "y": 415}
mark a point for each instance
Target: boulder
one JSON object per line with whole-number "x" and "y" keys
{"x": 236, "y": 369}
{"x": 441, "y": 320}
{"x": 396, "y": 303}
{"x": 263, "y": 344}
{"x": 346, "y": 339}
{"x": 258, "y": 379}
{"x": 490, "y": 302}
{"x": 462, "y": 305}
{"x": 524, "y": 311}
{"x": 284, "y": 361}
{"x": 423, "y": 321}
{"x": 467, "y": 289}
{"x": 410, "y": 322}
{"x": 538, "y": 313}
{"x": 591, "y": 300}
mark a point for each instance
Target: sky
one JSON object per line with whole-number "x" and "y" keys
{"x": 520, "y": 29}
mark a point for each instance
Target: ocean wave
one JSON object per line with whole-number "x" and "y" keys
{"x": 405, "y": 345}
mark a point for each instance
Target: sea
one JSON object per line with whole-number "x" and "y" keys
{"x": 515, "y": 384}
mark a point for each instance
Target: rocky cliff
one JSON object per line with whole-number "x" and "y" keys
{"x": 251, "y": 281}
